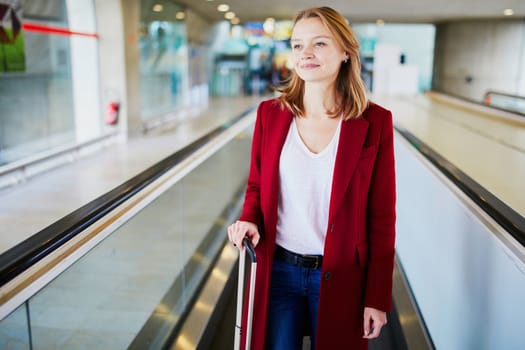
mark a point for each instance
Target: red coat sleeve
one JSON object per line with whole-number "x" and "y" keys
{"x": 381, "y": 217}
{"x": 251, "y": 210}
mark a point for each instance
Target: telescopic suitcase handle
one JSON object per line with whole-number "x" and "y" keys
{"x": 248, "y": 249}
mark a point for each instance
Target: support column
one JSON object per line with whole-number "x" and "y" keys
{"x": 118, "y": 27}
{"x": 84, "y": 70}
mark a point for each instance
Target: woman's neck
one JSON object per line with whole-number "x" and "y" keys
{"x": 318, "y": 99}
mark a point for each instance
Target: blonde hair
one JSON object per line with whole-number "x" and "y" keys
{"x": 350, "y": 91}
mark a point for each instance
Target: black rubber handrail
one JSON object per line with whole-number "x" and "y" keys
{"x": 508, "y": 218}
{"x": 494, "y": 92}
{"x": 27, "y": 253}
{"x": 489, "y": 93}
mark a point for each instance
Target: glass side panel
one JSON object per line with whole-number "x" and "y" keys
{"x": 147, "y": 270}
{"x": 453, "y": 256}
{"x": 14, "y": 330}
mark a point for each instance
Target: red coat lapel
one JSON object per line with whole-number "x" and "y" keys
{"x": 281, "y": 125}
{"x": 351, "y": 140}
{"x": 278, "y": 130}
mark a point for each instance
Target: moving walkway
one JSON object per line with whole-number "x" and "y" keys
{"x": 148, "y": 266}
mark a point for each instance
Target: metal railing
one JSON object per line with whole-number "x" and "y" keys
{"x": 504, "y": 101}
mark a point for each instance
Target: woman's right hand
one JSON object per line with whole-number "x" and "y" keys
{"x": 240, "y": 229}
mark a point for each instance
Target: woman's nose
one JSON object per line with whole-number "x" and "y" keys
{"x": 307, "y": 53}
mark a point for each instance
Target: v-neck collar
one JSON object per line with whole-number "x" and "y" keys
{"x": 335, "y": 137}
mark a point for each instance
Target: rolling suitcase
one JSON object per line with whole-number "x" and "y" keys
{"x": 248, "y": 249}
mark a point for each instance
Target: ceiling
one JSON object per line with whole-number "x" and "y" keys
{"x": 429, "y": 11}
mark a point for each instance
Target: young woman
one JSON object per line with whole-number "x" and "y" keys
{"x": 320, "y": 200}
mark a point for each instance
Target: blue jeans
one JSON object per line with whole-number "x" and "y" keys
{"x": 293, "y": 306}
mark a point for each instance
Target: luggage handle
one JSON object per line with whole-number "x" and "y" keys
{"x": 250, "y": 250}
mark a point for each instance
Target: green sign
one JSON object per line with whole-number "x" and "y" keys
{"x": 12, "y": 50}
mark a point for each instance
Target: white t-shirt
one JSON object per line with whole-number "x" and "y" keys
{"x": 304, "y": 198}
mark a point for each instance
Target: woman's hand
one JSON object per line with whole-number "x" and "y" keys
{"x": 240, "y": 229}
{"x": 374, "y": 320}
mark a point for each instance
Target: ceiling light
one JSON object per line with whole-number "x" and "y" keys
{"x": 380, "y": 22}
{"x": 158, "y": 8}
{"x": 229, "y": 15}
{"x": 235, "y": 20}
{"x": 180, "y": 15}
{"x": 508, "y": 12}
{"x": 223, "y": 8}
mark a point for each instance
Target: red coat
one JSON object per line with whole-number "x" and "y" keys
{"x": 359, "y": 247}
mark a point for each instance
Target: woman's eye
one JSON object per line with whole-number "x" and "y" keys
{"x": 296, "y": 47}
{"x": 320, "y": 44}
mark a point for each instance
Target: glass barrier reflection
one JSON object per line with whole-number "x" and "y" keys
{"x": 144, "y": 273}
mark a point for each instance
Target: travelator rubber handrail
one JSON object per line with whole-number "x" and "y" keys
{"x": 505, "y": 216}
{"x": 27, "y": 253}
{"x": 494, "y": 92}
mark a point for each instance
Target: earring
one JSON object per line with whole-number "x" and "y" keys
{"x": 346, "y": 60}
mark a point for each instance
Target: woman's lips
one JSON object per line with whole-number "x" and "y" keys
{"x": 309, "y": 66}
